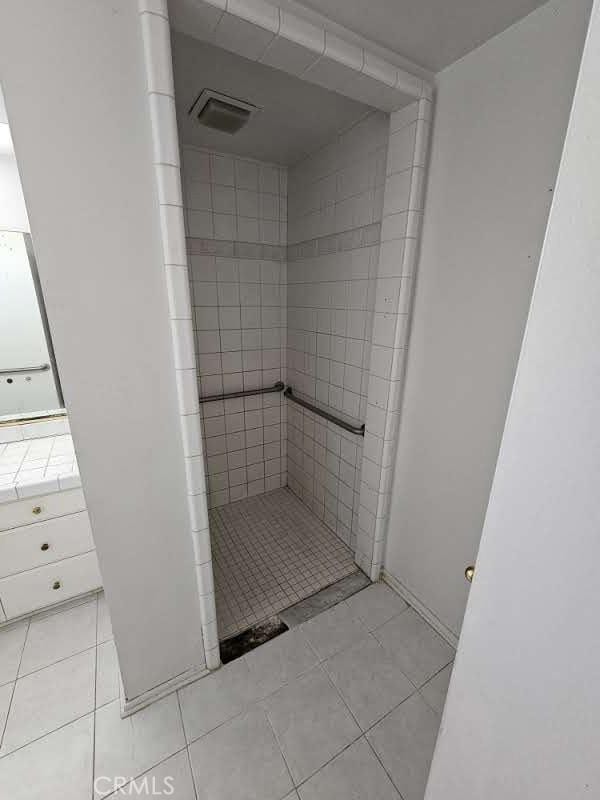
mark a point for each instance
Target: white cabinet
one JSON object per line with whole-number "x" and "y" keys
{"x": 44, "y": 542}
{"x": 37, "y": 588}
{"x": 47, "y": 553}
{"x": 37, "y": 509}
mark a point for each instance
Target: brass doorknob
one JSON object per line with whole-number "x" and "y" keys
{"x": 470, "y": 572}
{"x": 36, "y": 510}
{"x": 56, "y": 585}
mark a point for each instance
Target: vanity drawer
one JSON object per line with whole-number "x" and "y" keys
{"x": 36, "y": 509}
{"x": 44, "y": 542}
{"x": 32, "y": 590}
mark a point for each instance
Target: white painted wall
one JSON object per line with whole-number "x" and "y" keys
{"x": 81, "y": 127}
{"x": 521, "y": 720}
{"x": 499, "y": 127}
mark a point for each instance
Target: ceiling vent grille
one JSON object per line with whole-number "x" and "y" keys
{"x": 221, "y": 112}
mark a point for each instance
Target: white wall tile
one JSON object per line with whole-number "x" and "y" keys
{"x": 164, "y": 129}
{"x": 244, "y": 38}
{"x": 200, "y": 224}
{"x": 225, "y": 226}
{"x": 183, "y": 342}
{"x": 380, "y": 69}
{"x": 196, "y": 165}
{"x": 234, "y": 311}
{"x": 397, "y": 192}
{"x": 159, "y": 68}
{"x": 221, "y": 169}
{"x": 223, "y": 199}
{"x": 302, "y": 32}
{"x": 154, "y": 6}
{"x": 169, "y": 184}
{"x": 173, "y": 235}
{"x": 178, "y": 292}
{"x": 401, "y": 149}
{"x": 191, "y": 435}
{"x": 289, "y": 56}
{"x": 246, "y": 175}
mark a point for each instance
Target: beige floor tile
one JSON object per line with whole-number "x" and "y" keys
{"x": 240, "y": 761}
{"x": 369, "y": 680}
{"x": 419, "y": 650}
{"x": 311, "y": 723}
{"x": 50, "y": 698}
{"x": 405, "y": 741}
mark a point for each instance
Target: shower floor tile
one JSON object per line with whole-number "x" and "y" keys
{"x": 269, "y": 552}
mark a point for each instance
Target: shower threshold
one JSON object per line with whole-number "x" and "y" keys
{"x": 242, "y": 643}
{"x": 269, "y": 553}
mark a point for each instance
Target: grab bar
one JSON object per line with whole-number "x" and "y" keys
{"x": 40, "y": 368}
{"x": 277, "y": 387}
{"x": 359, "y": 430}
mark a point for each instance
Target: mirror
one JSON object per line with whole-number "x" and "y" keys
{"x": 29, "y": 383}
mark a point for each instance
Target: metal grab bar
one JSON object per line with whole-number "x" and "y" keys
{"x": 277, "y": 387}
{"x": 359, "y": 430}
{"x": 40, "y": 368}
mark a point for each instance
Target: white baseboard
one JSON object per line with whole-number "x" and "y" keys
{"x": 62, "y": 605}
{"x": 420, "y": 608}
{"x": 129, "y": 707}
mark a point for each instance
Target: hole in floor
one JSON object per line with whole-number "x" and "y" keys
{"x": 241, "y": 643}
{"x": 246, "y": 641}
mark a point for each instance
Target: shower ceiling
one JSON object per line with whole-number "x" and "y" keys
{"x": 296, "y": 117}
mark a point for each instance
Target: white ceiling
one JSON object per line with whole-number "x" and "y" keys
{"x": 297, "y": 117}
{"x": 432, "y": 33}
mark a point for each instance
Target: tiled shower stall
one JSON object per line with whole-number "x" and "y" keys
{"x": 298, "y": 273}
{"x": 290, "y": 282}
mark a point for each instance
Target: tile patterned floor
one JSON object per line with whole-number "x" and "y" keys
{"x": 269, "y": 552}
{"x": 345, "y": 705}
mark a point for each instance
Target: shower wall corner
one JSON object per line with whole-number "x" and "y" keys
{"x": 403, "y": 208}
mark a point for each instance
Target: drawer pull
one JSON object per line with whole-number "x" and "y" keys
{"x": 45, "y": 546}
{"x": 36, "y": 510}
{"x": 56, "y": 585}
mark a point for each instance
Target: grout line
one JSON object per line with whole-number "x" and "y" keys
{"x": 135, "y": 793}
{"x": 58, "y": 661}
{"x": 278, "y": 743}
{"x": 187, "y": 748}
{"x": 419, "y": 690}
{"x": 88, "y": 713}
{"x": 326, "y": 764}
{"x": 12, "y": 694}
{"x": 376, "y": 754}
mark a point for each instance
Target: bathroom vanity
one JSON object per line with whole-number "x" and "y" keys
{"x": 47, "y": 552}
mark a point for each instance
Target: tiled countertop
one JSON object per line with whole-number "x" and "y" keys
{"x": 37, "y": 466}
